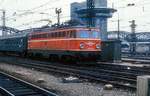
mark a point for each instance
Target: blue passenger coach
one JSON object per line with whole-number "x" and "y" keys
{"x": 14, "y": 43}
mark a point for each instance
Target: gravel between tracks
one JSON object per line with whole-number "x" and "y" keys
{"x": 55, "y": 83}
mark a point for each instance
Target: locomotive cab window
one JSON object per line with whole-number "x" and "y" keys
{"x": 83, "y": 34}
{"x": 88, "y": 34}
{"x": 95, "y": 34}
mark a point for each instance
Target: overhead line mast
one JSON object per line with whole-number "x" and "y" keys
{"x": 3, "y": 22}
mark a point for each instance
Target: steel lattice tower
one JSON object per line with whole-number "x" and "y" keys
{"x": 90, "y": 13}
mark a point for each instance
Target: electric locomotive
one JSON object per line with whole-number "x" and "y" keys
{"x": 65, "y": 43}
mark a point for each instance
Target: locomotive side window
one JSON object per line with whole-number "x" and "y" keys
{"x": 65, "y": 34}
{"x": 52, "y": 35}
{"x": 59, "y": 34}
{"x": 72, "y": 34}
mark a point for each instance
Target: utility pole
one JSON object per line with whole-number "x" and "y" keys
{"x": 3, "y": 18}
{"x": 58, "y": 12}
{"x": 133, "y": 37}
{"x": 3, "y": 22}
{"x": 118, "y": 33}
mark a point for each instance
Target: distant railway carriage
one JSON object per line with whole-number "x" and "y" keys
{"x": 68, "y": 42}
{"x": 14, "y": 43}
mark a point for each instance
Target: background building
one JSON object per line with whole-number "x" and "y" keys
{"x": 78, "y": 12}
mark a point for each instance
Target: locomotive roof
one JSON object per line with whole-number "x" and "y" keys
{"x": 53, "y": 28}
{"x": 24, "y": 33}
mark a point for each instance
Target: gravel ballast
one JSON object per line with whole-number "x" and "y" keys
{"x": 55, "y": 84}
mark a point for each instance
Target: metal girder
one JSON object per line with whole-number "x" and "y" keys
{"x": 114, "y": 35}
{"x": 140, "y": 37}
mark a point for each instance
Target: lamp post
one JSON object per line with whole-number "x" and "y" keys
{"x": 58, "y": 12}
{"x": 118, "y": 33}
{"x": 118, "y": 21}
{"x": 133, "y": 37}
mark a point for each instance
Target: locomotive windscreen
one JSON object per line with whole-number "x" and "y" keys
{"x": 88, "y": 34}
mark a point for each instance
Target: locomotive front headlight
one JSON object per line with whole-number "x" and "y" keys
{"x": 82, "y": 45}
{"x": 98, "y": 46}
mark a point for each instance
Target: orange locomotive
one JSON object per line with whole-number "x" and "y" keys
{"x": 65, "y": 43}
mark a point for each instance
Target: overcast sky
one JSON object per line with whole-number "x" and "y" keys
{"x": 24, "y": 14}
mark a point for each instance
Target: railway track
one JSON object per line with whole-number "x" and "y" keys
{"x": 12, "y": 86}
{"x": 142, "y": 61}
{"x": 124, "y": 80}
{"x": 116, "y": 74}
